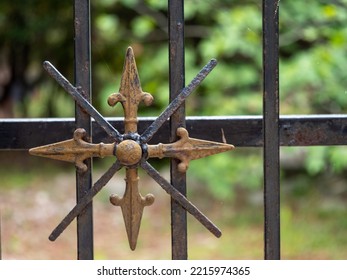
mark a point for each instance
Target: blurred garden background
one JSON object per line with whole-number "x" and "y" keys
{"x": 36, "y": 193}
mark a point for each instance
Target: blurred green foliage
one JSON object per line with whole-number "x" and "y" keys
{"x": 313, "y": 59}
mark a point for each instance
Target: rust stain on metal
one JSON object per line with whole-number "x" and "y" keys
{"x": 308, "y": 136}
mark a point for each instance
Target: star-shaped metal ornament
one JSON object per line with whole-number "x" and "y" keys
{"x": 131, "y": 149}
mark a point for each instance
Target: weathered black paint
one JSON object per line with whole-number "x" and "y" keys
{"x": 271, "y": 129}
{"x": 179, "y": 232}
{"x": 82, "y": 70}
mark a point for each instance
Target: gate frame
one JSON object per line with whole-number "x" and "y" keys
{"x": 269, "y": 131}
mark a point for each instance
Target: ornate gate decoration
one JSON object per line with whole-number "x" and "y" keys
{"x": 131, "y": 149}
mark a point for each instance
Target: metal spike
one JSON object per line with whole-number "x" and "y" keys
{"x": 75, "y": 150}
{"x": 130, "y": 93}
{"x": 132, "y": 204}
{"x": 187, "y": 149}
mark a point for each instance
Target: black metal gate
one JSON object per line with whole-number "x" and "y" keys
{"x": 269, "y": 131}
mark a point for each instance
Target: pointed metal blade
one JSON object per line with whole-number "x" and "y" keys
{"x": 187, "y": 149}
{"x": 132, "y": 204}
{"x": 75, "y": 150}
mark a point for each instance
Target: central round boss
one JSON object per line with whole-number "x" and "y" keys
{"x": 128, "y": 152}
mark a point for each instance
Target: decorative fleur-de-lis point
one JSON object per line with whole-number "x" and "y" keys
{"x": 130, "y": 93}
{"x": 132, "y": 204}
{"x": 75, "y": 150}
{"x": 187, "y": 149}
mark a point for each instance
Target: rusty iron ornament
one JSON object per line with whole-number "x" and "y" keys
{"x": 131, "y": 149}
{"x": 75, "y": 150}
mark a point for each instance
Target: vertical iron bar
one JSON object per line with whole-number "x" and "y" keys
{"x": 271, "y": 129}
{"x": 177, "y": 82}
{"x": 83, "y": 79}
{"x": 0, "y": 237}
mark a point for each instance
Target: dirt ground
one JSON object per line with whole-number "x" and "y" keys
{"x": 29, "y": 214}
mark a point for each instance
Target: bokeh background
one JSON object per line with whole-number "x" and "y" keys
{"x": 36, "y": 193}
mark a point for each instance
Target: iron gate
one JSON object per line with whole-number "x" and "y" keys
{"x": 269, "y": 131}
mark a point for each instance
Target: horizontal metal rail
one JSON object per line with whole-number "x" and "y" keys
{"x": 241, "y": 131}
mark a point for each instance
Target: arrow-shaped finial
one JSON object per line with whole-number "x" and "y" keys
{"x": 75, "y": 150}
{"x": 132, "y": 204}
{"x": 187, "y": 149}
{"x": 130, "y": 93}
